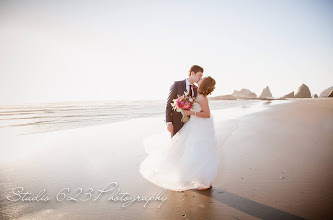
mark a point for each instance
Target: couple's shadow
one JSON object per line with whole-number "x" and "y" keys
{"x": 245, "y": 205}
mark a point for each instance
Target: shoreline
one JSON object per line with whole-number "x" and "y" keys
{"x": 293, "y": 138}
{"x": 32, "y": 120}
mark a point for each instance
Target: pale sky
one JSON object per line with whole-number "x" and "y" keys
{"x": 106, "y": 50}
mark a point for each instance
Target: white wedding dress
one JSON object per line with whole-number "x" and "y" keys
{"x": 188, "y": 160}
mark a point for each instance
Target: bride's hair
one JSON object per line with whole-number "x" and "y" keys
{"x": 207, "y": 86}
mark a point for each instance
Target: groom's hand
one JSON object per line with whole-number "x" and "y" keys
{"x": 170, "y": 127}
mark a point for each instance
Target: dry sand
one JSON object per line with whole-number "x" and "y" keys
{"x": 275, "y": 164}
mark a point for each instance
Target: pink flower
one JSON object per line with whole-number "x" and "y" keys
{"x": 187, "y": 106}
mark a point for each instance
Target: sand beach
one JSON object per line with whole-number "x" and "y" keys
{"x": 276, "y": 163}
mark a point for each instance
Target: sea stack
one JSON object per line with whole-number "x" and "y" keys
{"x": 290, "y": 95}
{"x": 303, "y": 92}
{"x": 244, "y": 93}
{"x": 266, "y": 93}
{"x": 223, "y": 97}
{"x": 331, "y": 94}
{"x": 326, "y": 92}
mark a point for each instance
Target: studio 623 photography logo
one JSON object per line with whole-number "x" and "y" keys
{"x": 109, "y": 193}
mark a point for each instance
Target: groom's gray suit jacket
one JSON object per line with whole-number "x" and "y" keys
{"x": 178, "y": 88}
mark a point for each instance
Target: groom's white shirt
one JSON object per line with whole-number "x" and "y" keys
{"x": 188, "y": 86}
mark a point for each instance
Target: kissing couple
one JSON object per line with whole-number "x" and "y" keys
{"x": 189, "y": 159}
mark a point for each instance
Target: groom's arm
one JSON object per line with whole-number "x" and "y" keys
{"x": 168, "y": 110}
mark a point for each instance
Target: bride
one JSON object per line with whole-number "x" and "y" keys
{"x": 189, "y": 160}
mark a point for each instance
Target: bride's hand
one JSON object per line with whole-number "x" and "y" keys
{"x": 187, "y": 112}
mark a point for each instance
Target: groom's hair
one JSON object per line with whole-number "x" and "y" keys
{"x": 195, "y": 69}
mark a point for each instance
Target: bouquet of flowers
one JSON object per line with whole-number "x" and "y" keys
{"x": 183, "y": 102}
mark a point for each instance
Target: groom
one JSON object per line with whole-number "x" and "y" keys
{"x": 173, "y": 118}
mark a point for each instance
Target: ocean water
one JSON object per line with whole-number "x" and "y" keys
{"x": 45, "y": 117}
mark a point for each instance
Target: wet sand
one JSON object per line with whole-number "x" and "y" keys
{"x": 275, "y": 164}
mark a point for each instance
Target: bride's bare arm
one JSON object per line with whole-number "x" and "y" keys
{"x": 205, "y": 112}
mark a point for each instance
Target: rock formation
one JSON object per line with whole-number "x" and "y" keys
{"x": 331, "y": 94}
{"x": 290, "y": 95}
{"x": 244, "y": 93}
{"x": 326, "y": 92}
{"x": 303, "y": 92}
{"x": 223, "y": 97}
{"x": 315, "y": 96}
{"x": 266, "y": 93}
